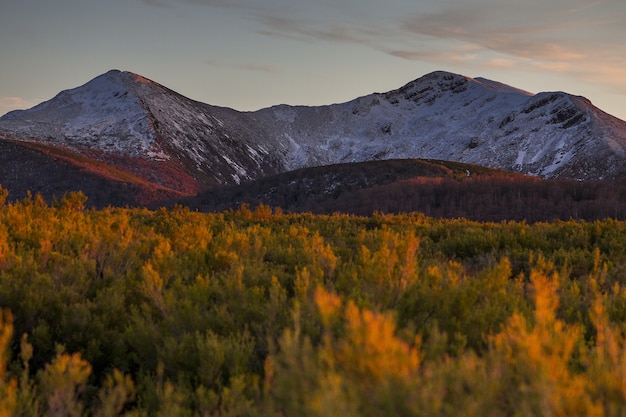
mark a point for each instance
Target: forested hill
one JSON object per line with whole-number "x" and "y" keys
{"x": 440, "y": 189}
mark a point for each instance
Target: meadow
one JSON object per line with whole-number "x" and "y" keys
{"x": 257, "y": 312}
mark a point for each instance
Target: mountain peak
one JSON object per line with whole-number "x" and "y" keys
{"x": 113, "y": 72}
{"x": 446, "y": 75}
{"x": 104, "y": 114}
{"x": 442, "y": 77}
{"x": 117, "y": 77}
{"x": 434, "y": 83}
{"x": 449, "y": 81}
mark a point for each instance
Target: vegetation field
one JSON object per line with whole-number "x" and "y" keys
{"x": 255, "y": 312}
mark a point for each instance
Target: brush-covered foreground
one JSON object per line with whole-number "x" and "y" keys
{"x": 260, "y": 313}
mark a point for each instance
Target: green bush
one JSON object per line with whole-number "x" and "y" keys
{"x": 262, "y": 313}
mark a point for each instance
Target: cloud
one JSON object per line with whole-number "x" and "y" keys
{"x": 583, "y": 38}
{"x": 533, "y": 29}
{"x": 308, "y": 30}
{"x": 168, "y": 3}
{"x": 502, "y": 63}
{"x": 512, "y": 28}
{"x": 153, "y": 3}
{"x": 559, "y": 32}
{"x": 245, "y": 5}
{"x": 16, "y": 103}
{"x": 270, "y": 69}
{"x": 459, "y": 55}
{"x": 611, "y": 74}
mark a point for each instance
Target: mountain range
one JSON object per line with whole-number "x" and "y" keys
{"x": 124, "y": 139}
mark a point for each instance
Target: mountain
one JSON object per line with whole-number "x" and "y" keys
{"x": 453, "y": 117}
{"x": 134, "y": 132}
{"x": 138, "y": 125}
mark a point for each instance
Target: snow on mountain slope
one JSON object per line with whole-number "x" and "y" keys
{"x": 103, "y": 114}
{"x": 452, "y": 117}
{"x": 121, "y": 115}
{"x": 219, "y": 143}
{"x": 414, "y": 121}
{"x": 438, "y": 116}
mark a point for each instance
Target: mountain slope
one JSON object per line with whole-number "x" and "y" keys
{"x": 156, "y": 135}
{"x": 452, "y": 117}
{"x": 136, "y": 124}
{"x": 53, "y": 172}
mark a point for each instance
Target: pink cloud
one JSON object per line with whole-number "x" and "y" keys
{"x": 8, "y": 104}
{"x": 246, "y": 66}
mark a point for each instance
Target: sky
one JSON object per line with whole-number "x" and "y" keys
{"x": 250, "y": 54}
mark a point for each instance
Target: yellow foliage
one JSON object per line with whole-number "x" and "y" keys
{"x": 369, "y": 349}
{"x": 4, "y": 245}
{"x": 606, "y": 360}
{"x": 130, "y": 288}
{"x": 63, "y": 381}
{"x": 322, "y": 258}
{"x": 409, "y": 269}
{"x": 4, "y": 193}
{"x": 118, "y": 389}
{"x": 328, "y": 305}
{"x": 152, "y": 287}
{"x": 544, "y": 351}
{"x": 8, "y": 386}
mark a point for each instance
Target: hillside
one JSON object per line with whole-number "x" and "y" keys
{"x": 53, "y": 172}
{"x": 439, "y": 189}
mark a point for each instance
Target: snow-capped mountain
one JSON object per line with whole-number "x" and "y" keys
{"x": 137, "y": 125}
{"x": 452, "y": 117}
{"x": 134, "y": 123}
